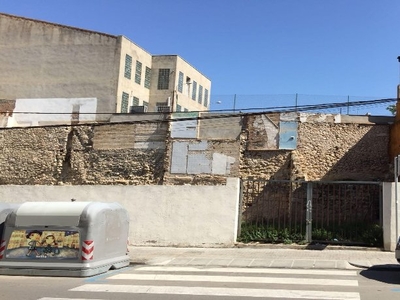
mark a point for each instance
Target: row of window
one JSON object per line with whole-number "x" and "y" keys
{"x": 163, "y": 80}
{"x": 135, "y": 102}
{"x": 199, "y": 97}
{"x": 180, "y": 108}
{"x": 138, "y": 71}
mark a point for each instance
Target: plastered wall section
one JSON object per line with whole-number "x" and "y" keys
{"x": 53, "y": 111}
{"x": 44, "y": 60}
{"x": 173, "y": 216}
{"x": 389, "y": 216}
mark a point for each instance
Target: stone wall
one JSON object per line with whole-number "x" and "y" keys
{"x": 69, "y": 155}
{"x": 142, "y": 153}
{"x": 326, "y": 150}
{"x": 330, "y": 151}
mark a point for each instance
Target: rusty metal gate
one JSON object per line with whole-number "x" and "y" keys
{"x": 341, "y": 212}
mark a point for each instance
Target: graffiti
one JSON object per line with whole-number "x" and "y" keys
{"x": 43, "y": 244}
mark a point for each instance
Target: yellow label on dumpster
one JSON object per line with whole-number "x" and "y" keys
{"x": 43, "y": 244}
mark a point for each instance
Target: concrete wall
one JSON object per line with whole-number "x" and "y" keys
{"x": 171, "y": 216}
{"x": 45, "y": 60}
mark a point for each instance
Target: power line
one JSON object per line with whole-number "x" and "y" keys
{"x": 165, "y": 117}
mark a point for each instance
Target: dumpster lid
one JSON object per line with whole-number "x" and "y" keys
{"x": 50, "y": 213}
{"x": 5, "y": 210}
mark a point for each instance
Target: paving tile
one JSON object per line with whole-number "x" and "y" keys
{"x": 326, "y": 264}
{"x": 180, "y": 261}
{"x": 199, "y": 262}
{"x": 241, "y": 262}
{"x": 282, "y": 263}
{"x": 222, "y": 262}
{"x": 261, "y": 263}
{"x": 303, "y": 263}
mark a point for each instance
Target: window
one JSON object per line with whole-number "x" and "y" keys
{"x": 185, "y": 110}
{"x": 138, "y": 73}
{"x": 180, "y": 82}
{"x": 205, "y": 97}
{"x": 128, "y": 66}
{"x": 146, "y": 105}
{"x": 163, "y": 79}
{"x": 147, "y": 78}
{"x": 194, "y": 91}
{"x": 163, "y": 107}
{"x": 124, "y": 103}
{"x": 135, "y": 101}
{"x": 178, "y": 108}
{"x": 200, "y": 99}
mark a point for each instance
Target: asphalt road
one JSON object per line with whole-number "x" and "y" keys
{"x": 217, "y": 283}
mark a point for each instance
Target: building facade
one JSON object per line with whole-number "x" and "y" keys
{"x": 42, "y": 60}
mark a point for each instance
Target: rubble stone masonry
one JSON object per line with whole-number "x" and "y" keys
{"x": 138, "y": 154}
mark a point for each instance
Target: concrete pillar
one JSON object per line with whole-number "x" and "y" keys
{"x": 389, "y": 216}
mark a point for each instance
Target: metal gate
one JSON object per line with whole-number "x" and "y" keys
{"x": 342, "y": 212}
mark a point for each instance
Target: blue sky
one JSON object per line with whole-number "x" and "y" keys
{"x": 332, "y": 48}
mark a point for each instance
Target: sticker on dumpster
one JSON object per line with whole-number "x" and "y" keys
{"x": 2, "y": 248}
{"x": 87, "y": 250}
{"x": 43, "y": 244}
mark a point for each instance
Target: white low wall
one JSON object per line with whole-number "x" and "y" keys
{"x": 201, "y": 216}
{"x": 389, "y": 215}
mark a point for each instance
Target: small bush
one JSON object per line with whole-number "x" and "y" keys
{"x": 350, "y": 233}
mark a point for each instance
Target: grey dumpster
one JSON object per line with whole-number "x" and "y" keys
{"x": 5, "y": 210}
{"x": 65, "y": 239}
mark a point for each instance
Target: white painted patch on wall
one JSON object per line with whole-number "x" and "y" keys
{"x": 49, "y": 111}
{"x": 192, "y": 158}
{"x": 221, "y": 164}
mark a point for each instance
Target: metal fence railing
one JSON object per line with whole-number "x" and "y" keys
{"x": 334, "y": 212}
{"x": 349, "y": 105}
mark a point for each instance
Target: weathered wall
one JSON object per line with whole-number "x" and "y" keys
{"x": 45, "y": 60}
{"x": 109, "y": 154}
{"x": 142, "y": 153}
{"x": 327, "y": 149}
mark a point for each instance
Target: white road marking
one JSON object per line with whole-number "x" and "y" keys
{"x": 236, "y": 279}
{"x": 251, "y": 270}
{"x": 213, "y": 291}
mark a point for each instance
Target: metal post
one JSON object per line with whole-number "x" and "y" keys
{"x": 348, "y": 103}
{"x": 309, "y": 213}
{"x": 296, "y": 102}
{"x": 240, "y": 210}
{"x": 234, "y": 103}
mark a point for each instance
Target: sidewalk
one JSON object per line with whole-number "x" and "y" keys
{"x": 266, "y": 256}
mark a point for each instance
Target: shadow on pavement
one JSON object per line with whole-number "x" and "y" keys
{"x": 316, "y": 246}
{"x": 383, "y": 273}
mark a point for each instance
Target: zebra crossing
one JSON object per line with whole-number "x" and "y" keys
{"x": 210, "y": 282}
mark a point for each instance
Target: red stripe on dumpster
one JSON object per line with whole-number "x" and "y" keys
{"x": 2, "y": 248}
{"x": 87, "y": 250}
